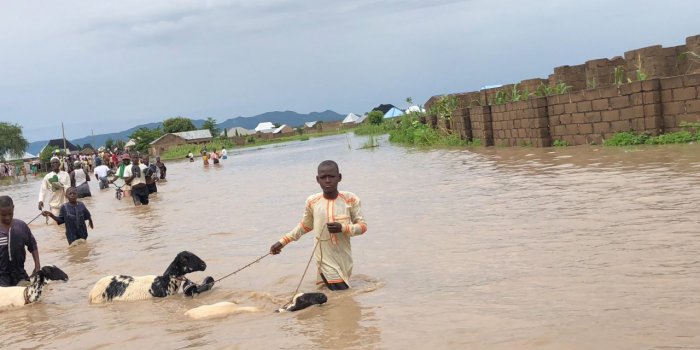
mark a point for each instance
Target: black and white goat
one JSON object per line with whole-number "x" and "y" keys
{"x": 20, "y": 296}
{"x": 120, "y": 287}
{"x": 303, "y": 300}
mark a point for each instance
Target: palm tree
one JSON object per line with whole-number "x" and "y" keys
{"x": 11, "y": 140}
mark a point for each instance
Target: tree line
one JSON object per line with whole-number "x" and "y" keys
{"x": 13, "y": 143}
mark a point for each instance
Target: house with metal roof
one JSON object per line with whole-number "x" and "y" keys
{"x": 237, "y": 131}
{"x": 195, "y": 137}
{"x": 265, "y": 127}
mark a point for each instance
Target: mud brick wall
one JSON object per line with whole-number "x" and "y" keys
{"x": 680, "y": 101}
{"x": 531, "y": 85}
{"x": 590, "y": 116}
{"x": 467, "y": 99}
{"x": 574, "y": 76}
{"x": 692, "y": 43}
{"x": 481, "y": 124}
{"x": 523, "y": 123}
{"x": 654, "y": 61}
{"x": 669, "y": 96}
{"x": 461, "y": 123}
{"x": 601, "y": 72}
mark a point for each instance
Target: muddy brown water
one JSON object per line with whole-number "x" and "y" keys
{"x": 499, "y": 248}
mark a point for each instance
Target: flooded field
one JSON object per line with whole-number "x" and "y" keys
{"x": 498, "y": 248}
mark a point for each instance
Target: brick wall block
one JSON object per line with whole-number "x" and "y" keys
{"x": 653, "y": 124}
{"x": 636, "y": 99}
{"x": 671, "y": 83}
{"x": 638, "y": 124}
{"x": 692, "y": 106}
{"x": 611, "y": 115}
{"x": 585, "y": 129}
{"x": 570, "y": 108}
{"x": 606, "y": 92}
{"x": 666, "y": 95}
{"x": 691, "y": 79}
{"x": 673, "y": 108}
{"x": 577, "y": 96}
{"x": 685, "y": 93}
{"x": 620, "y": 102}
{"x": 584, "y": 106}
{"x": 593, "y": 117}
{"x": 620, "y": 126}
{"x": 650, "y": 85}
{"x": 560, "y": 130}
{"x": 601, "y": 128}
{"x": 600, "y": 104}
{"x": 652, "y": 97}
{"x": 652, "y": 110}
{"x": 632, "y": 112}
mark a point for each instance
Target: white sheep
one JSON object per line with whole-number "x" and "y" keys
{"x": 120, "y": 287}
{"x": 225, "y": 308}
{"x": 20, "y": 296}
{"x": 221, "y": 309}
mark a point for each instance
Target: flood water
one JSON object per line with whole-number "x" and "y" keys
{"x": 498, "y": 248}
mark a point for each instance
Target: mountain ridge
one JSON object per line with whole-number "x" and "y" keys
{"x": 291, "y": 118}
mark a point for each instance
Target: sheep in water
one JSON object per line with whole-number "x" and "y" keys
{"x": 299, "y": 302}
{"x": 120, "y": 287}
{"x": 303, "y": 300}
{"x": 20, "y": 296}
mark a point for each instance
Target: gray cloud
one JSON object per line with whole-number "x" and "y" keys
{"x": 87, "y": 62}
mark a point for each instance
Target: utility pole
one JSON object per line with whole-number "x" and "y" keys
{"x": 63, "y": 131}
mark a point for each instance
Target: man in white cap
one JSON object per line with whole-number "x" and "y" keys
{"x": 54, "y": 185}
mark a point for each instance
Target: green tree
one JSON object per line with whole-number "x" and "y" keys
{"x": 46, "y": 154}
{"x": 11, "y": 140}
{"x": 144, "y": 136}
{"x": 375, "y": 117}
{"x": 210, "y": 124}
{"x": 119, "y": 144}
{"x": 178, "y": 124}
{"x": 109, "y": 144}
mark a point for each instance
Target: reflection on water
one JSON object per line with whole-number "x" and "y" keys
{"x": 577, "y": 248}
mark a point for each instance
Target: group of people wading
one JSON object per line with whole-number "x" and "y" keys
{"x": 333, "y": 216}
{"x": 64, "y": 188}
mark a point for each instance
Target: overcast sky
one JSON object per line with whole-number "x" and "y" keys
{"x": 111, "y": 65}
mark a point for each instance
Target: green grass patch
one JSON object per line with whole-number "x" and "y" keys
{"x": 374, "y": 129}
{"x": 411, "y": 132}
{"x": 629, "y": 138}
{"x": 560, "y": 143}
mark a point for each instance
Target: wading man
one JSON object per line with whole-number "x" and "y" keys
{"x": 333, "y": 216}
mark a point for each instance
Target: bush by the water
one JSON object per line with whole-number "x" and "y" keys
{"x": 374, "y": 129}
{"x": 631, "y": 138}
{"x": 410, "y": 131}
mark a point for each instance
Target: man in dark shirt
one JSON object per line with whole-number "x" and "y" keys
{"x": 15, "y": 235}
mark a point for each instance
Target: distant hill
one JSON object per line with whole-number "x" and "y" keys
{"x": 291, "y": 118}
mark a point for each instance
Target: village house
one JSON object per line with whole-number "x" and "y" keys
{"x": 163, "y": 143}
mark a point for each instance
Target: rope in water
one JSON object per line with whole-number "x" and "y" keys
{"x": 318, "y": 240}
{"x": 237, "y": 271}
{"x": 303, "y": 275}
